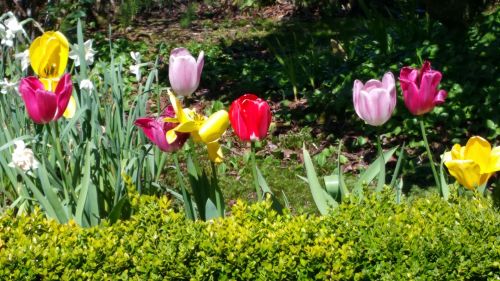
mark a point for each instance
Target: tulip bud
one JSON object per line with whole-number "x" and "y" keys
{"x": 374, "y": 101}
{"x": 44, "y": 106}
{"x": 184, "y": 72}
{"x": 250, "y": 117}
{"x": 419, "y": 87}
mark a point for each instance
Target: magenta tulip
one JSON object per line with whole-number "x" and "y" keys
{"x": 374, "y": 101}
{"x": 44, "y": 106}
{"x": 419, "y": 87}
{"x": 184, "y": 71}
{"x": 250, "y": 117}
{"x": 156, "y": 130}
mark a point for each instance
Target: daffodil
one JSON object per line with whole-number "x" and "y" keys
{"x": 473, "y": 164}
{"x": 207, "y": 130}
{"x": 48, "y": 57}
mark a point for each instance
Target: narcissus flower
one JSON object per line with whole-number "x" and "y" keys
{"x": 250, "y": 117}
{"x": 156, "y": 129}
{"x": 23, "y": 157}
{"x": 184, "y": 72}
{"x": 207, "y": 130}
{"x": 374, "y": 101}
{"x": 419, "y": 87}
{"x": 44, "y": 106}
{"x": 473, "y": 164}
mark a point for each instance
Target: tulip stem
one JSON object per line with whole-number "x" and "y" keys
{"x": 429, "y": 154}
{"x": 219, "y": 199}
{"x": 381, "y": 175}
{"x": 254, "y": 172}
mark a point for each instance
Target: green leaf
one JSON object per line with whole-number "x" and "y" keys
{"x": 51, "y": 196}
{"x": 211, "y": 211}
{"x": 84, "y": 188}
{"x": 445, "y": 189}
{"x": 322, "y": 199}
{"x": 371, "y": 172}
{"x": 266, "y": 190}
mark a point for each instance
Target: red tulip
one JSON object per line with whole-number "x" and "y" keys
{"x": 419, "y": 87}
{"x": 250, "y": 117}
{"x": 156, "y": 130}
{"x": 44, "y": 106}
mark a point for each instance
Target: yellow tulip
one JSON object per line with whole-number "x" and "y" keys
{"x": 473, "y": 164}
{"x": 49, "y": 54}
{"x": 202, "y": 129}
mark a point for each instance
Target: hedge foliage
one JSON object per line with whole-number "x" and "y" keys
{"x": 426, "y": 239}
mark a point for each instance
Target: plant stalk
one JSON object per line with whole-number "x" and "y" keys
{"x": 254, "y": 172}
{"x": 429, "y": 154}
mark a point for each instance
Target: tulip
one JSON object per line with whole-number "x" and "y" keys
{"x": 419, "y": 87}
{"x": 473, "y": 164}
{"x": 184, "y": 71}
{"x": 49, "y": 54}
{"x": 207, "y": 130}
{"x": 250, "y": 117}
{"x": 155, "y": 130}
{"x": 374, "y": 101}
{"x": 44, "y": 106}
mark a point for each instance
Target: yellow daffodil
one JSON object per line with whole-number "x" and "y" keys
{"x": 473, "y": 164}
{"x": 203, "y": 129}
{"x": 48, "y": 57}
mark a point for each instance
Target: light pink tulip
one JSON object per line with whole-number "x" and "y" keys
{"x": 184, "y": 71}
{"x": 44, "y": 106}
{"x": 374, "y": 101}
{"x": 156, "y": 130}
{"x": 419, "y": 87}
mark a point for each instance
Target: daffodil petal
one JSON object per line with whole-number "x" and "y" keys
{"x": 186, "y": 127}
{"x": 215, "y": 152}
{"x": 171, "y": 136}
{"x": 177, "y": 105}
{"x": 213, "y": 128}
{"x": 478, "y": 150}
{"x": 71, "y": 109}
{"x": 466, "y": 172}
{"x": 170, "y": 120}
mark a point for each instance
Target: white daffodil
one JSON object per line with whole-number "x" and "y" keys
{"x": 24, "y": 57}
{"x": 136, "y": 56}
{"x": 86, "y": 84}
{"x": 9, "y": 29}
{"x": 88, "y": 51}
{"x": 23, "y": 157}
{"x": 6, "y": 86}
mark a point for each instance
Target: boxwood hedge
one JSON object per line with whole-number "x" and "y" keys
{"x": 426, "y": 239}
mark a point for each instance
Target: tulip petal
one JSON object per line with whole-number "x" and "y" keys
{"x": 478, "y": 150}
{"x": 494, "y": 163}
{"x": 466, "y": 172}
{"x": 356, "y": 92}
{"x": 183, "y": 72}
{"x": 440, "y": 97}
{"x": 213, "y": 128}
{"x": 457, "y": 152}
{"x": 63, "y": 92}
{"x": 428, "y": 87}
{"x": 145, "y": 124}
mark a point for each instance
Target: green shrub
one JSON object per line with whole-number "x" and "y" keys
{"x": 426, "y": 239}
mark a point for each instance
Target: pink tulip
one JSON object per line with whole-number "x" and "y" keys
{"x": 374, "y": 101}
{"x": 44, "y": 106}
{"x": 184, "y": 71}
{"x": 156, "y": 130}
{"x": 419, "y": 87}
